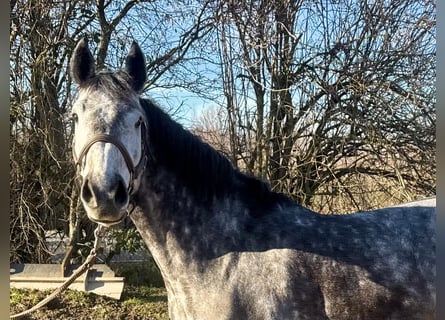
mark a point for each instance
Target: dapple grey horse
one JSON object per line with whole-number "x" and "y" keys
{"x": 227, "y": 246}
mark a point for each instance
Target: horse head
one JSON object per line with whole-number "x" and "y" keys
{"x": 109, "y": 129}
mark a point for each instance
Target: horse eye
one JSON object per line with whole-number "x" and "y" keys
{"x": 138, "y": 123}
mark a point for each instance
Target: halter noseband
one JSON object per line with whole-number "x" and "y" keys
{"x": 133, "y": 170}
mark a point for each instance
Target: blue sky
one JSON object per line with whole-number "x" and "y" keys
{"x": 184, "y": 106}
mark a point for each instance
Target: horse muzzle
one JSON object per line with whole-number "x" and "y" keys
{"x": 105, "y": 203}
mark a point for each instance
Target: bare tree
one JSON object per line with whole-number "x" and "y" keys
{"x": 41, "y": 173}
{"x": 339, "y": 92}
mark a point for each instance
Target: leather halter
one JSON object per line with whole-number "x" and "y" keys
{"x": 134, "y": 171}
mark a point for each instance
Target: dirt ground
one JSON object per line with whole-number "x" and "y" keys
{"x": 137, "y": 303}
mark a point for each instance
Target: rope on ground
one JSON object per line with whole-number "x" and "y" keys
{"x": 89, "y": 261}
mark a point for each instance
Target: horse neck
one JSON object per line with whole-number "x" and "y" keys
{"x": 174, "y": 224}
{"x": 191, "y": 199}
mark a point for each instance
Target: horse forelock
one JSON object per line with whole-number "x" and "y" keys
{"x": 116, "y": 85}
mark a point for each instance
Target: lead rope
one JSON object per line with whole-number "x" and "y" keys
{"x": 98, "y": 233}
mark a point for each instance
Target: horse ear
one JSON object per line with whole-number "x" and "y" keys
{"x": 135, "y": 66}
{"x": 82, "y": 63}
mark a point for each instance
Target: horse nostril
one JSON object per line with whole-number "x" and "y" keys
{"x": 87, "y": 193}
{"x": 121, "y": 195}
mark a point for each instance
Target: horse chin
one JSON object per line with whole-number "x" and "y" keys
{"x": 107, "y": 220}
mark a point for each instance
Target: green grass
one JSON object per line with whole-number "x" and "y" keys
{"x": 143, "y": 297}
{"x": 137, "y": 302}
{"x": 18, "y": 297}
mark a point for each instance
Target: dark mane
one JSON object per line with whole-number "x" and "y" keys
{"x": 199, "y": 166}
{"x": 196, "y": 164}
{"x": 114, "y": 83}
